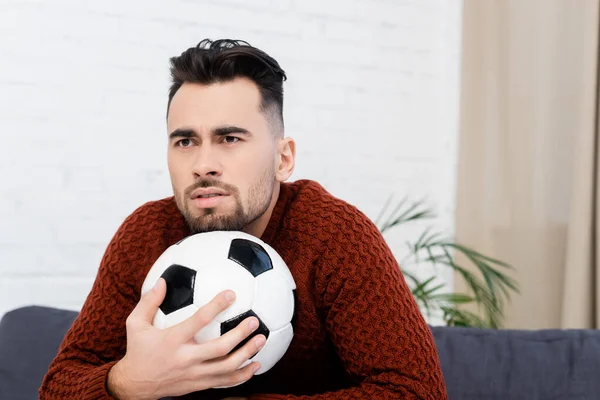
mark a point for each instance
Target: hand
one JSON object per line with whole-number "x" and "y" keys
{"x": 168, "y": 362}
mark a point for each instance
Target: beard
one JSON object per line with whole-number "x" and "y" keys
{"x": 259, "y": 199}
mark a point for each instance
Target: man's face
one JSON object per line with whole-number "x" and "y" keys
{"x": 221, "y": 155}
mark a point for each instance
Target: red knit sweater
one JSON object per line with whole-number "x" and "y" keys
{"x": 358, "y": 333}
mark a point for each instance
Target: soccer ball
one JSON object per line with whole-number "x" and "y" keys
{"x": 200, "y": 266}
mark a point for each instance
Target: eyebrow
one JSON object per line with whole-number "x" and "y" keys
{"x": 188, "y": 133}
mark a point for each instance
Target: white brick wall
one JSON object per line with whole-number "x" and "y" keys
{"x": 372, "y": 100}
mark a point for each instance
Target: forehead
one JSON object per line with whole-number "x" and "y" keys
{"x": 233, "y": 102}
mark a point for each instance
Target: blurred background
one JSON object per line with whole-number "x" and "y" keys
{"x": 478, "y": 119}
{"x": 371, "y": 99}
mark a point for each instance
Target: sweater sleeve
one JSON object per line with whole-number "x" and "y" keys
{"x": 376, "y": 327}
{"x": 97, "y": 338}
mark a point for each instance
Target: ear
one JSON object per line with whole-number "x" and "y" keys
{"x": 286, "y": 159}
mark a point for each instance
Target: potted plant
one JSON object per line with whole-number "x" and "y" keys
{"x": 491, "y": 287}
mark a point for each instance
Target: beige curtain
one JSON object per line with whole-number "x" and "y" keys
{"x": 527, "y": 174}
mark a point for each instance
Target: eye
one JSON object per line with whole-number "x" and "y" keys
{"x": 183, "y": 143}
{"x": 230, "y": 139}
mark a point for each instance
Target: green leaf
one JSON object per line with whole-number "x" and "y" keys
{"x": 455, "y": 298}
{"x": 415, "y": 211}
{"x": 420, "y": 288}
{"x": 476, "y": 254}
{"x": 456, "y": 317}
{"x": 410, "y": 277}
{"x": 429, "y": 292}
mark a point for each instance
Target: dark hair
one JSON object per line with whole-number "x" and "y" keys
{"x": 224, "y": 60}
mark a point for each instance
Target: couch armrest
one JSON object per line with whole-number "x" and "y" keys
{"x": 29, "y": 340}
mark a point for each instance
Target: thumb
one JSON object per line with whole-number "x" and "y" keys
{"x": 150, "y": 301}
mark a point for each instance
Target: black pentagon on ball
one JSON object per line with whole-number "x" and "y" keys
{"x": 295, "y": 313}
{"x": 235, "y": 321}
{"x": 180, "y": 288}
{"x": 250, "y": 255}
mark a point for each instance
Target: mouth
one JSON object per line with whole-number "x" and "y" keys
{"x": 205, "y": 193}
{"x": 208, "y": 197}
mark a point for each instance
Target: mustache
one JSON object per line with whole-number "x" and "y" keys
{"x": 206, "y": 183}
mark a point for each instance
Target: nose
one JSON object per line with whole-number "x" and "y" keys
{"x": 206, "y": 164}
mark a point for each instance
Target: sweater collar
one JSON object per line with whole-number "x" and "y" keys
{"x": 276, "y": 220}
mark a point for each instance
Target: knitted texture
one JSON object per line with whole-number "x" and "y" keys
{"x": 358, "y": 334}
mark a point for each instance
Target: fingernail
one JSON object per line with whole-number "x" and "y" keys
{"x": 156, "y": 285}
{"x": 230, "y": 296}
{"x": 259, "y": 342}
{"x": 255, "y": 368}
{"x": 253, "y": 324}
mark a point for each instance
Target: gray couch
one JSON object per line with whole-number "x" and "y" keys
{"x": 478, "y": 364}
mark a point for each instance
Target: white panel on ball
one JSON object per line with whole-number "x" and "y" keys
{"x": 273, "y": 300}
{"x": 225, "y": 274}
{"x": 160, "y": 320}
{"x": 203, "y": 250}
{"x": 180, "y": 315}
{"x": 280, "y": 266}
{"x": 209, "y": 332}
{"x": 274, "y": 349}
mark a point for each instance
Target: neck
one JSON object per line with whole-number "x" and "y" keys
{"x": 258, "y": 226}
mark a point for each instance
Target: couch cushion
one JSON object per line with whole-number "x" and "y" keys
{"x": 29, "y": 340}
{"x": 513, "y": 365}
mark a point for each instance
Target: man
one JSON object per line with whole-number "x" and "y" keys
{"x": 358, "y": 331}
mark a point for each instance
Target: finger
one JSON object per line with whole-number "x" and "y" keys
{"x": 149, "y": 302}
{"x": 233, "y": 361}
{"x": 230, "y": 379}
{"x": 204, "y": 316}
{"x": 224, "y": 344}
{"x": 238, "y": 376}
